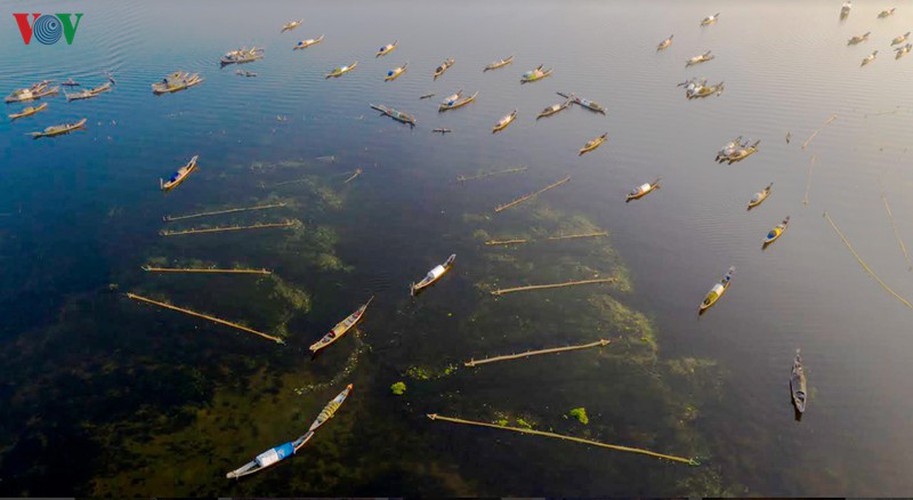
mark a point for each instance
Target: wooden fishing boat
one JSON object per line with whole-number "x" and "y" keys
{"x": 443, "y": 67}
{"x": 177, "y": 81}
{"x": 37, "y": 91}
{"x": 728, "y": 149}
{"x": 458, "y": 101}
{"x": 271, "y": 457}
{"x": 869, "y": 58}
{"x": 178, "y": 177}
{"x": 760, "y": 196}
{"x": 707, "y": 21}
{"x": 241, "y": 56}
{"x": 900, "y": 39}
{"x": 886, "y": 13}
{"x": 303, "y": 44}
{"x": 643, "y": 190}
{"x": 706, "y": 56}
{"x": 339, "y": 71}
{"x": 427, "y": 96}
{"x": 535, "y": 75}
{"x": 776, "y": 232}
{"x": 29, "y": 111}
{"x": 717, "y": 291}
{"x": 499, "y": 64}
{"x": 797, "y": 384}
{"x": 593, "y": 144}
{"x": 859, "y": 38}
{"x": 60, "y": 129}
{"x": 245, "y": 73}
{"x": 663, "y": 45}
{"x": 433, "y": 275}
{"x": 386, "y": 49}
{"x": 504, "y": 122}
{"x": 585, "y": 103}
{"x": 340, "y": 329}
{"x": 704, "y": 90}
{"x": 89, "y": 93}
{"x": 442, "y": 131}
{"x": 554, "y": 109}
{"x": 70, "y": 83}
{"x": 742, "y": 153}
{"x": 902, "y": 51}
{"x": 845, "y": 9}
{"x": 396, "y": 115}
{"x": 394, "y": 73}
{"x": 331, "y": 408}
{"x": 292, "y": 25}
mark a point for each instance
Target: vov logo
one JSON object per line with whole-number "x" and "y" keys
{"x": 47, "y": 28}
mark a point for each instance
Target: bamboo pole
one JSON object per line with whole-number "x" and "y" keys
{"x": 576, "y": 236}
{"x": 516, "y": 170}
{"x": 204, "y": 316}
{"x": 505, "y": 291}
{"x": 212, "y": 270}
{"x": 689, "y": 461}
{"x": 808, "y": 180}
{"x": 599, "y": 343}
{"x": 492, "y": 243}
{"x": 903, "y": 248}
{"x": 222, "y": 229}
{"x": 169, "y": 218}
{"x": 826, "y": 123}
{"x": 864, "y": 265}
{"x": 501, "y": 208}
{"x": 358, "y": 172}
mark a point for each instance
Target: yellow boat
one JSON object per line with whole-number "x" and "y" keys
{"x": 499, "y": 64}
{"x": 340, "y": 329}
{"x": 60, "y": 129}
{"x": 337, "y": 72}
{"x": 663, "y": 45}
{"x": 456, "y": 101}
{"x": 643, "y": 190}
{"x": 760, "y": 196}
{"x": 443, "y": 67}
{"x": 292, "y": 25}
{"x": 504, "y": 122}
{"x": 553, "y": 109}
{"x": 717, "y": 291}
{"x": 303, "y": 44}
{"x": 178, "y": 177}
{"x": 29, "y": 111}
{"x": 394, "y": 73}
{"x": 36, "y": 91}
{"x": 776, "y": 232}
{"x": 386, "y": 49}
{"x": 535, "y": 75}
{"x": 593, "y": 144}
{"x": 179, "y": 80}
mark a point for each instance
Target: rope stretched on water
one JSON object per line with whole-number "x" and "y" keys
{"x": 597, "y": 234}
{"x": 599, "y": 343}
{"x": 223, "y": 229}
{"x": 204, "y": 270}
{"x": 517, "y": 170}
{"x": 169, "y": 218}
{"x": 903, "y": 247}
{"x": 616, "y": 447}
{"x": 501, "y": 208}
{"x": 551, "y": 285}
{"x": 828, "y": 122}
{"x": 864, "y": 265}
{"x": 808, "y": 180}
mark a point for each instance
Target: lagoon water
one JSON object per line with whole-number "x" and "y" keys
{"x": 101, "y": 395}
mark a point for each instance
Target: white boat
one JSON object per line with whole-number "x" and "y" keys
{"x": 433, "y": 275}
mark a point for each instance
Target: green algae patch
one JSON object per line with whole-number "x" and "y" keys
{"x": 398, "y": 388}
{"x": 580, "y": 415}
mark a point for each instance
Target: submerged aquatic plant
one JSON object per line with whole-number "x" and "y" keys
{"x": 580, "y": 415}
{"x": 398, "y": 388}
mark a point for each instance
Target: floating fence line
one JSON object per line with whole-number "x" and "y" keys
{"x": 205, "y": 316}
{"x": 550, "y": 238}
{"x": 461, "y": 179}
{"x": 473, "y": 362}
{"x": 826, "y": 123}
{"x": 204, "y": 270}
{"x": 501, "y": 208}
{"x": 169, "y": 218}
{"x": 504, "y": 291}
{"x": 358, "y": 172}
{"x": 864, "y": 265}
{"x": 689, "y": 461}
{"x": 492, "y": 243}
{"x": 222, "y": 229}
{"x": 808, "y": 180}
{"x": 903, "y": 248}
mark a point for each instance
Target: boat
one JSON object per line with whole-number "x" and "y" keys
{"x": 177, "y": 81}
{"x": 292, "y": 25}
{"x": 442, "y": 68}
{"x": 593, "y": 144}
{"x": 553, "y": 109}
{"x": 776, "y": 232}
{"x": 504, "y": 122}
{"x": 740, "y": 153}
{"x": 706, "y": 56}
{"x": 845, "y": 9}
{"x": 56, "y": 130}
{"x": 869, "y": 58}
{"x": 859, "y": 38}
{"x": 394, "y": 73}
{"x": 695, "y": 88}
{"x": 583, "y": 102}
{"x": 339, "y": 71}
{"x": 427, "y": 96}
{"x": 728, "y": 149}
{"x": 442, "y": 131}
{"x": 386, "y": 49}
{"x": 70, "y": 83}
{"x": 886, "y": 13}
{"x": 37, "y": 91}
{"x": 643, "y": 190}
{"x": 663, "y": 45}
{"x": 29, "y": 111}
{"x": 331, "y": 408}
{"x": 241, "y": 56}
{"x": 902, "y": 51}
{"x": 499, "y": 64}
{"x": 455, "y": 101}
{"x": 396, "y": 115}
{"x": 303, "y": 44}
{"x": 797, "y": 385}
{"x": 900, "y": 39}
{"x": 760, "y": 196}
{"x": 178, "y": 177}
{"x": 535, "y": 75}
{"x": 707, "y": 21}
{"x": 89, "y": 93}
{"x": 271, "y": 457}
{"x": 432, "y": 276}
{"x": 717, "y": 291}
{"x": 242, "y": 72}
{"x": 340, "y": 329}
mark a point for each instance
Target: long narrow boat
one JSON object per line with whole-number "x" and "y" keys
{"x": 643, "y": 190}
{"x": 386, "y": 49}
{"x": 859, "y": 38}
{"x": 303, "y": 44}
{"x": 707, "y": 21}
{"x": 241, "y": 56}
{"x": 535, "y": 75}
{"x": 776, "y": 232}
{"x": 339, "y": 71}
{"x": 900, "y": 39}
{"x": 797, "y": 384}
{"x": 70, "y": 83}
{"x": 902, "y": 51}
{"x": 396, "y": 115}
{"x": 457, "y": 102}
{"x": 760, "y": 196}
{"x": 292, "y": 25}
{"x": 178, "y": 177}
{"x": 89, "y": 93}
{"x": 499, "y": 64}
{"x": 869, "y": 58}
{"x": 340, "y": 329}
{"x": 36, "y": 91}
{"x": 706, "y": 56}
{"x": 331, "y": 408}
{"x": 845, "y": 9}
{"x": 60, "y": 129}
{"x": 553, "y": 109}
{"x": 717, "y": 291}
{"x": 443, "y": 67}
{"x": 504, "y": 122}
{"x": 663, "y": 45}
{"x": 432, "y": 276}
{"x": 886, "y": 13}
{"x": 742, "y": 153}
{"x": 177, "y": 81}
{"x": 395, "y": 73}
{"x": 593, "y": 144}
{"x": 29, "y": 111}
{"x": 586, "y": 103}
